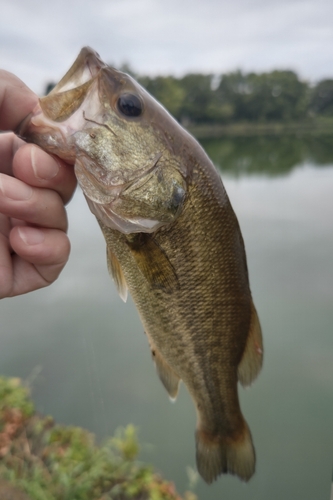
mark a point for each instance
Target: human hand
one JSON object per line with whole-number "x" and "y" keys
{"x": 34, "y": 187}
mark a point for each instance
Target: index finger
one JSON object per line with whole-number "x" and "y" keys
{"x": 9, "y": 144}
{"x": 16, "y": 101}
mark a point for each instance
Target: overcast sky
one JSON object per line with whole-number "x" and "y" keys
{"x": 39, "y": 40}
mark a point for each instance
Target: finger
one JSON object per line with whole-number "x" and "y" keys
{"x": 37, "y": 168}
{"x": 9, "y": 144}
{"x": 6, "y": 274}
{"x": 16, "y": 101}
{"x": 38, "y": 206}
{"x": 41, "y": 254}
{"x": 5, "y": 225}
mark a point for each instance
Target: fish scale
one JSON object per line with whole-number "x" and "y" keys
{"x": 172, "y": 240}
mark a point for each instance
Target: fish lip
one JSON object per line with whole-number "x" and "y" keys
{"x": 37, "y": 128}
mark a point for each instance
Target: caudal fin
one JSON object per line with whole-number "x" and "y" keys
{"x": 222, "y": 455}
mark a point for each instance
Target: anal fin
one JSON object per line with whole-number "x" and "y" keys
{"x": 251, "y": 362}
{"x": 116, "y": 272}
{"x": 168, "y": 377}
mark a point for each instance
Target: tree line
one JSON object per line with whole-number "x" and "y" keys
{"x": 276, "y": 96}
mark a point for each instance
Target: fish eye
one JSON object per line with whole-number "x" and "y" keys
{"x": 130, "y": 105}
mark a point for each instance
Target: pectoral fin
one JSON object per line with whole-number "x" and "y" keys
{"x": 153, "y": 263}
{"x": 168, "y": 377}
{"x": 251, "y": 362}
{"x": 116, "y": 272}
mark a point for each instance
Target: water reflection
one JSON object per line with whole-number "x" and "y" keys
{"x": 268, "y": 155}
{"x": 95, "y": 364}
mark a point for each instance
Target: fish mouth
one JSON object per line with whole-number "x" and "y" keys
{"x": 61, "y": 124}
{"x": 59, "y": 115}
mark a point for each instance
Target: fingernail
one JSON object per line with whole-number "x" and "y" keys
{"x": 45, "y": 168}
{"x": 14, "y": 189}
{"x": 31, "y": 235}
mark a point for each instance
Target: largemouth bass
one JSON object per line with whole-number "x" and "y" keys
{"x": 172, "y": 240}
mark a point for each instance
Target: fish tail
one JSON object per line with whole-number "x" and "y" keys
{"x": 217, "y": 454}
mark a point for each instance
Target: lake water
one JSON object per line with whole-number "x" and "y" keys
{"x": 91, "y": 365}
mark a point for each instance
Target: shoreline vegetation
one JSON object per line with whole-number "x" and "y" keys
{"x": 41, "y": 460}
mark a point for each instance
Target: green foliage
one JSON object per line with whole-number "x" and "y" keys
{"x": 126, "y": 442}
{"x": 168, "y": 91}
{"x": 278, "y": 96}
{"x": 322, "y": 98}
{"x": 275, "y": 96}
{"x": 14, "y": 397}
{"x": 198, "y": 97}
{"x": 55, "y": 462}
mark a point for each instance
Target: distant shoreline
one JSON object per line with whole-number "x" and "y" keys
{"x": 307, "y": 127}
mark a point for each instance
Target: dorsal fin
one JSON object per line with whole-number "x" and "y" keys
{"x": 152, "y": 262}
{"x": 116, "y": 272}
{"x": 251, "y": 362}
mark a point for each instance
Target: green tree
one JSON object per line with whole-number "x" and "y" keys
{"x": 232, "y": 91}
{"x": 322, "y": 98}
{"x": 274, "y": 96}
{"x": 278, "y": 96}
{"x": 198, "y": 97}
{"x": 167, "y": 90}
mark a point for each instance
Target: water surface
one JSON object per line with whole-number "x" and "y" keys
{"x": 88, "y": 356}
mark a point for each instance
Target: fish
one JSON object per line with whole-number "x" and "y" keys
{"x": 173, "y": 241}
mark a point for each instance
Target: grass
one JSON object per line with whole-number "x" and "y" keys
{"x": 40, "y": 460}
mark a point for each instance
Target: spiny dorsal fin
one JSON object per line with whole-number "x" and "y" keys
{"x": 251, "y": 362}
{"x": 116, "y": 272}
{"x": 168, "y": 377}
{"x": 152, "y": 262}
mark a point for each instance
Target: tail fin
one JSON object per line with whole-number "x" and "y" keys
{"x": 221, "y": 455}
